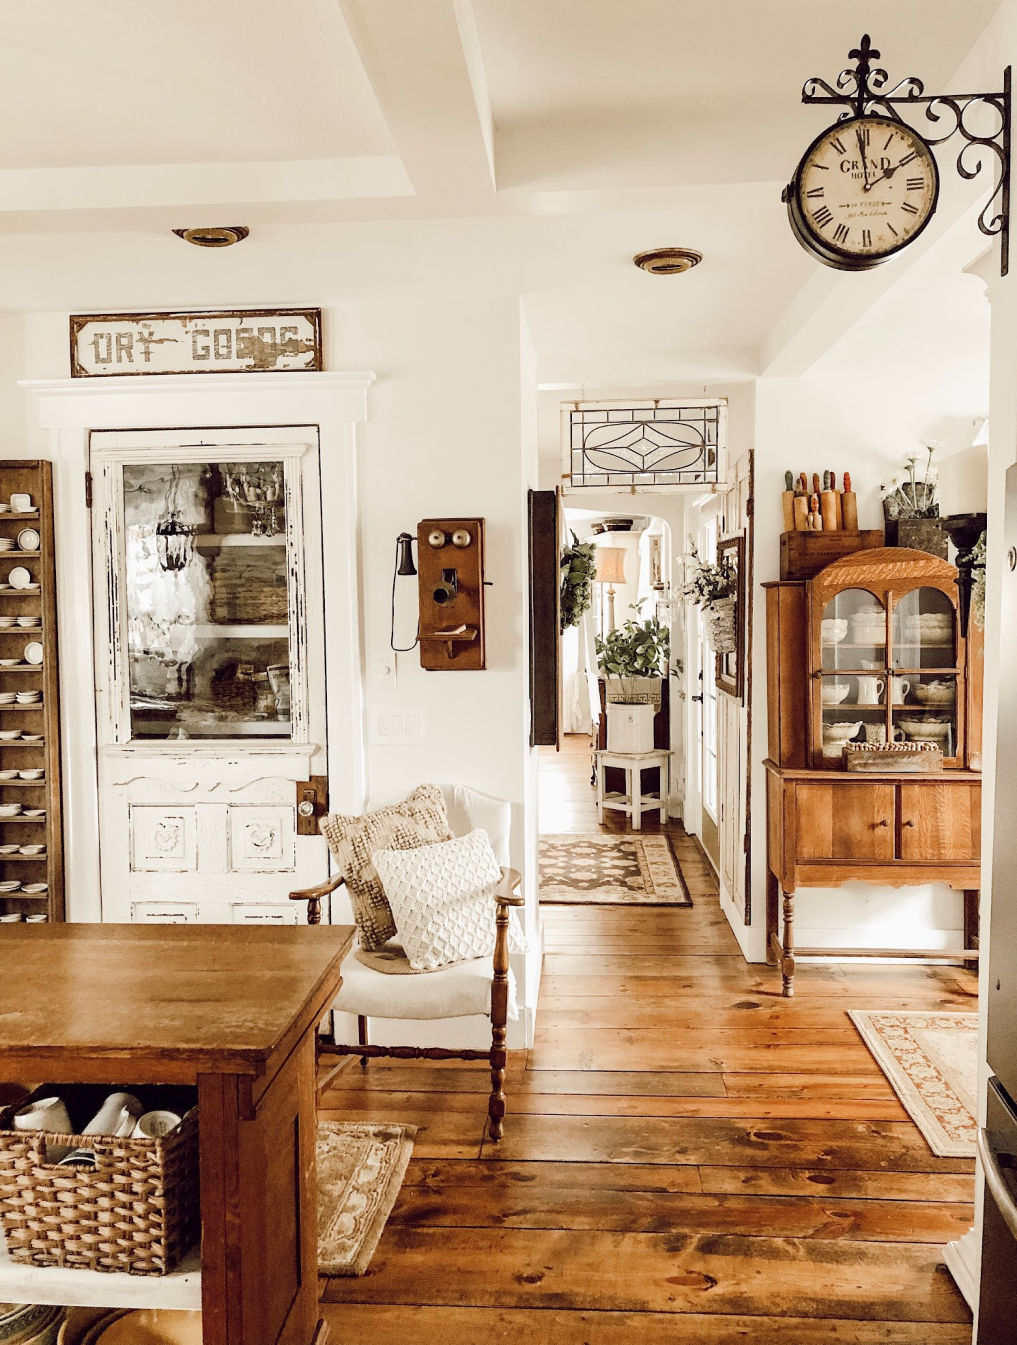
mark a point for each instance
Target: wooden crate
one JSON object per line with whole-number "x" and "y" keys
{"x": 804, "y": 554}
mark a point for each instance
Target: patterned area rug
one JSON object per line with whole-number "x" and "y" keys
{"x": 626, "y": 870}
{"x": 360, "y": 1170}
{"x": 931, "y": 1059}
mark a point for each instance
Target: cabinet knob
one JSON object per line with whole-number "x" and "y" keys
{"x": 306, "y": 808}
{"x": 908, "y": 823}
{"x": 881, "y": 823}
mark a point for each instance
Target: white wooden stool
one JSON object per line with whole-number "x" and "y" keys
{"x": 633, "y": 801}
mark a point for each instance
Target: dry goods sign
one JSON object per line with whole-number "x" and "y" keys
{"x": 255, "y": 341}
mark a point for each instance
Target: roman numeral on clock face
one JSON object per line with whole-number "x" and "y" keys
{"x": 838, "y": 145}
{"x": 866, "y": 238}
{"x": 911, "y": 209}
{"x": 840, "y": 233}
{"x": 815, "y": 192}
{"x": 915, "y": 183}
{"x": 908, "y": 158}
{"x": 823, "y": 216}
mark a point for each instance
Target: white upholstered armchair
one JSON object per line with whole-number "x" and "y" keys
{"x": 382, "y": 984}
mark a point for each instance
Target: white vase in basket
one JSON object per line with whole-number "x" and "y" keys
{"x": 719, "y": 619}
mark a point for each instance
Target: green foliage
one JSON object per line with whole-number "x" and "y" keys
{"x": 636, "y": 649}
{"x": 710, "y": 582}
{"x": 578, "y": 568}
{"x": 978, "y": 586}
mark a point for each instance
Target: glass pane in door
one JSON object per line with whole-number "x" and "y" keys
{"x": 207, "y": 600}
{"x": 925, "y": 710}
{"x": 853, "y": 631}
{"x": 923, "y": 630}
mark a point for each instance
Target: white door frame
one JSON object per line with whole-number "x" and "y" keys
{"x": 70, "y": 409}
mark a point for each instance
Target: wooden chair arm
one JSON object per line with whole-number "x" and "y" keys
{"x": 319, "y": 890}
{"x": 314, "y": 895}
{"x": 506, "y": 894}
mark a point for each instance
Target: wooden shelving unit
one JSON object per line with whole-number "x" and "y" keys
{"x": 35, "y": 479}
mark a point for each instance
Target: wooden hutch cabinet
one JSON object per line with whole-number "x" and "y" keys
{"x": 871, "y": 650}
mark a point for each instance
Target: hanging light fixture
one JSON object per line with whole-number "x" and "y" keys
{"x": 174, "y": 540}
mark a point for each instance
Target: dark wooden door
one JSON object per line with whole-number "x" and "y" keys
{"x": 545, "y": 582}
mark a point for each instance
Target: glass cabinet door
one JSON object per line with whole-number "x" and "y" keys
{"x": 206, "y": 599}
{"x": 924, "y": 675}
{"x": 853, "y": 668}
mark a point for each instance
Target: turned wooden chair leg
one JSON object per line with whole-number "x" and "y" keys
{"x": 499, "y": 1020}
{"x": 362, "y": 1038}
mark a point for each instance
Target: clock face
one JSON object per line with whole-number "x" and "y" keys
{"x": 864, "y": 189}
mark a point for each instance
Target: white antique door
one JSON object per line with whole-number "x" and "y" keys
{"x": 210, "y": 671}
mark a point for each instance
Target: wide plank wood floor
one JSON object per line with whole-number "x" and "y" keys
{"x": 687, "y": 1157}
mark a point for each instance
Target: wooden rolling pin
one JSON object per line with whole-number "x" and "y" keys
{"x": 828, "y": 505}
{"x": 836, "y": 496}
{"x": 801, "y": 507}
{"x": 849, "y": 505}
{"x": 787, "y": 501}
{"x": 815, "y": 516}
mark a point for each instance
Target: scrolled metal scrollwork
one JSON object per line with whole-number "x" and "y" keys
{"x": 861, "y": 91}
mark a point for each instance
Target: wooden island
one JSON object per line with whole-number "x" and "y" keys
{"x": 232, "y": 1010}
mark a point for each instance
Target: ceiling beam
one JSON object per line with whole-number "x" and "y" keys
{"x": 423, "y": 60}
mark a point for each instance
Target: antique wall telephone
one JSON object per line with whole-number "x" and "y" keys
{"x": 450, "y": 588}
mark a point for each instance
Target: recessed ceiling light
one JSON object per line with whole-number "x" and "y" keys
{"x": 215, "y": 236}
{"x": 667, "y": 261}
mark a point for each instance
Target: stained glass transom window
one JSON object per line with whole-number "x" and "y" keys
{"x": 658, "y": 443}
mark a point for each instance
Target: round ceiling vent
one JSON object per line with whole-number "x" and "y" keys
{"x": 667, "y": 261}
{"x": 215, "y": 236}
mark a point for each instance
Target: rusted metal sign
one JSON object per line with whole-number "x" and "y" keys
{"x": 252, "y": 341}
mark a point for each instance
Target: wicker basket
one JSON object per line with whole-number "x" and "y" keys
{"x": 719, "y": 624}
{"x": 137, "y": 1210}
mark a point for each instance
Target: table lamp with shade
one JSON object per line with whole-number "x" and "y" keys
{"x": 610, "y": 571}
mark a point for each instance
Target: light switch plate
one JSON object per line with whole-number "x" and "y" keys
{"x": 397, "y": 726}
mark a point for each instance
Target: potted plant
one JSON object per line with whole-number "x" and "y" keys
{"x": 578, "y": 566}
{"x": 633, "y": 659}
{"x": 911, "y": 507}
{"x": 713, "y": 588}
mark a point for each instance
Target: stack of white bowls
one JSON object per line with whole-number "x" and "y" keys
{"x": 869, "y": 628}
{"x": 29, "y": 1324}
{"x": 929, "y": 627}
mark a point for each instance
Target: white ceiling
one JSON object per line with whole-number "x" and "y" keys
{"x": 522, "y": 146}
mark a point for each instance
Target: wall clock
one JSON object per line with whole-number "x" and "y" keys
{"x": 865, "y": 188}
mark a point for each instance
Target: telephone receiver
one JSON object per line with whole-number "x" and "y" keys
{"x": 450, "y": 585}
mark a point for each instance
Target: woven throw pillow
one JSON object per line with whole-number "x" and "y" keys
{"x": 420, "y": 819}
{"x": 442, "y": 899}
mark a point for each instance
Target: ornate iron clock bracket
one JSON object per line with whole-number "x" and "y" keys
{"x": 981, "y": 119}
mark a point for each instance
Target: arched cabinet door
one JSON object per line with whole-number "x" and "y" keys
{"x": 888, "y": 663}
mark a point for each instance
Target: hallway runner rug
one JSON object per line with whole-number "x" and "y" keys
{"x": 931, "y": 1060}
{"x": 626, "y": 870}
{"x": 360, "y": 1170}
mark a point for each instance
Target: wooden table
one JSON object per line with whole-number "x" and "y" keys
{"x": 234, "y": 1011}
{"x": 632, "y": 800}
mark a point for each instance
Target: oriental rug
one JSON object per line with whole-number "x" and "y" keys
{"x": 360, "y": 1170}
{"x": 627, "y": 870}
{"x": 931, "y": 1061}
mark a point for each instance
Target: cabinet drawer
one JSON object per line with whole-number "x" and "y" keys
{"x": 844, "y": 821}
{"x": 940, "y": 822}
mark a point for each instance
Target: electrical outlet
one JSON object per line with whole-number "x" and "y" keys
{"x": 397, "y": 727}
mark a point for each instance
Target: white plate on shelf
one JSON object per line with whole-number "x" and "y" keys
{"x": 10, "y": 885}
{"x": 19, "y": 577}
{"x": 32, "y": 738}
{"x": 9, "y": 810}
{"x": 10, "y": 662}
{"x": 27, "y": 621}
{"x": 32, "y": 773}
{"x": 36, "y": 887}
{"x": 21, "y": 502}
{"x": 33, "y": 652}
{"x": 10, "y": 774}
{"x": 10, "y": 849}
{"x": 34, "y": 812}
{"x": 28, "y": 539}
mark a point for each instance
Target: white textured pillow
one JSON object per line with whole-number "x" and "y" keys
{"x": 442, "y": 899}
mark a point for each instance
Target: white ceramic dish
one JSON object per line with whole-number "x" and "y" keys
{"x": 840, "y": 733}
{"x": 36, "y": 919}
{"x": 11, "y": 919}
{"x": 34, "y": 812}
{"x": 28, "y": 621}
{"x": 33, "y": 652}
{"x": 10, "y": 885}
{"x": 28, "y": 539}
{"x": 10, "y": 662}
{"x": 32, "y": 738}
{"x": 19, "y": 577}
{"x": 33, "y": 849}
{"x": 835, "y": 692}
{"x": 9, "y": 735}
{"x": 833, "y": 629}
{"x": 21, "y": 502}
{"x": 36, "y": 888}
{"x": 6, "y": 543}
{"x": 7, "y": 621}
{"x": 9, "y": 849}
{"x": 32, "y": 773}
{"x": 9, "y": 774}
{"x": 10, "y": 809}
